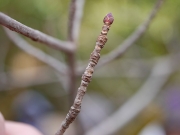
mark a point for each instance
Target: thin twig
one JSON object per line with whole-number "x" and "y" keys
{"x": 71, "y": 57}
{"x": 35, "y": 34}
{"x": 86, "y": 77}
{"x": 71, "y": 78}
{"x": 40, "y": 55}
{"x": 122, "y": 48}
{"x": 158, "y": 77}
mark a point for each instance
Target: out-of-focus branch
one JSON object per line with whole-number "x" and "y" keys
{"x": 122, "y": 48}
{"x": 128, "y": 68}
{"x": 71, "y": 78}
{"x": 158, "y": 77}
{"x": 86, "y": 77}
{"x": 30, "y": 77}
{"x": 75, "y": 15}
{"x": 35, "y": 34}
{"x": 77, "y": 19}
{"x": 3, "y": 51}
{"x": 26, "y": 78}
{"x": 25, "y": 46}
{"x": 72, "y": 9}
{"x": 71, "y": 57}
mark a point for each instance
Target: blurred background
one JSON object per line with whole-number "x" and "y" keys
{"x": 139, "y": 92}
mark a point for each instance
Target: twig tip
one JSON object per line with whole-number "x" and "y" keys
{"x": 108, "y": 19}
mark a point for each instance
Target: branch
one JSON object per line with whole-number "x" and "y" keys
{"x": 72, "y": 9}
{"x": 158, "y": 77}
{"x": 139, "y": 69}
{"x": 86, "y": 77}
{"x": 35, "y": 34}
{"x": 29, "y": 77}
{"x": 26, "y": 78}
{"x": 25, "y": 46}
{"x": 122, "y": 48}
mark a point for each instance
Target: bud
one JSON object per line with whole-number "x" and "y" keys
{"x": 108, "y": 19}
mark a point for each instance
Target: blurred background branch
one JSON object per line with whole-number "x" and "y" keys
{"x": 40, "y": 55}
{"x": 9, "y": 80}
{"x": 145, "y": 95}
{"x": 75, "y": 15}
{"x": 79, "y": 4}
{"x": 4, "y": 53}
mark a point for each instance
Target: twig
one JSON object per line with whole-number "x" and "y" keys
{"x": 122, "y": 48}
{"x": 158, "y": 77}
{"x": 72, "y": 9}
{"x": 75, "y": 15}
{"x": 86, "y": 77}
{"x": 25, "y": 46}
{"x": 35, "y": 34}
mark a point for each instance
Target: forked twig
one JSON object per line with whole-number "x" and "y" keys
{"x": 35, "y": 34}
{"x": 86, "y": 77}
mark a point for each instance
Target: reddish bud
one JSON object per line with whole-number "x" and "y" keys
{"x": 108, "y": 19}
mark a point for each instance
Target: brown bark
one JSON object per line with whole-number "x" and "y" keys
{"x": 86, "y": 77}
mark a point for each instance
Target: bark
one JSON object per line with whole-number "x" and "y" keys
{"x": 86, "y": 77}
